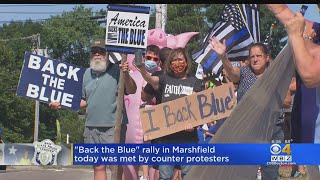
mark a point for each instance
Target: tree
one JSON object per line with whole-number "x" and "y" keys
{"x": 68, "y": 36}
{"x": 15, "y": 112}
{"x": 267, "y": 19}
{"x": 187, "y": 18}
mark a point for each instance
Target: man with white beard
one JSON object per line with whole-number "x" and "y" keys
{"x": 99, "y": 97}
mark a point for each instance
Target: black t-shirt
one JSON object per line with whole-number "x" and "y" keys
{"x": 149, "y": 89}
{"x": 173, "y": 88}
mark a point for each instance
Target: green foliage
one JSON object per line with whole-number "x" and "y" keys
{"x": 267, "y": 19}
{"x": 68, "y": 36}
{"x": 14, "y": 111}
{"x": 187, "y": 18}
{"x": 72, "y": 124}
{"x": 15, "y": 34}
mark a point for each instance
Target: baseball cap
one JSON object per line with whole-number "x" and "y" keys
{"x": 98, "y": 43}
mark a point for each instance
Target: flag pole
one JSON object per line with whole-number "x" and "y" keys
{"x": 270, "y": 34}
{"x": 244, "y": 20}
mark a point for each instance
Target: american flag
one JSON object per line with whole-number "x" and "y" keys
{"x": 232, "y": 28}
{"x": 252, "y": 18}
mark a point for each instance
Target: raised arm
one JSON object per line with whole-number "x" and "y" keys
{"x": 306, "y": 53}
{"x": 152, "y": 80}
{"x": 284, "y": 14}
{"x": 220, "y": 49}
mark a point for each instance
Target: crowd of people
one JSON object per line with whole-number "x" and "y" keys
{"x": 172, "y": 67}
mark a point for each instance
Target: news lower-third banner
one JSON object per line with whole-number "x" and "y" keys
{"x": 37, "y": 153}
{"x": 196, "y": 154}
{"x": 48, "y": 153}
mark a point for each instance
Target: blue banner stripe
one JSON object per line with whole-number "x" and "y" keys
{"x": 125, "y": 50}
{"x": 234, "y": 38}
{"x": 249, "y": 19}
{"x": 135, "y": 9}
{"x": 195, "y": 154}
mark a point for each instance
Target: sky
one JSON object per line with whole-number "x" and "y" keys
{"x": 22, "y": 12}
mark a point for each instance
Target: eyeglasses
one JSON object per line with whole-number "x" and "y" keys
{"x": 152, "y": 58}
{"x": 99, "y": 51}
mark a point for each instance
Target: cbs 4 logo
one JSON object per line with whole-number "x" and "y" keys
{"x": 276, "y": 149}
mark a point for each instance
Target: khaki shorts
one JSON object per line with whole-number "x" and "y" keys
{"x": 102, "y": 135}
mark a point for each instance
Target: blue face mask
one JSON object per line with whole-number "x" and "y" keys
{"x": 151, "y": 66}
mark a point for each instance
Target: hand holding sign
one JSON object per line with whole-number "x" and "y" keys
{"x": 141, "y": 68}
{"x": 189, "y": 128}
{"x": 124, "y": 66}
{"x": 55, "y": 105}
{"x": 187, "y": 112}
{"x": 48, "y": 80}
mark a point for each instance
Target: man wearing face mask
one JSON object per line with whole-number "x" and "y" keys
{"x": 148, "y": 93}
{"x": 152, "y": 64}
{"x": 151, "y": 59}
{"x": 99, "y": 97}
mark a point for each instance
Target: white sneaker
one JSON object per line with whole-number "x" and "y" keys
{"x": 141, "y": 178}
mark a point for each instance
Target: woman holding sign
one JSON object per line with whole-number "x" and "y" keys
{"x": 176, "y": 75}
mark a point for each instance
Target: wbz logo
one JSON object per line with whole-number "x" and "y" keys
{"x": 285, "y": 155}
{"x": 281, "y": 158}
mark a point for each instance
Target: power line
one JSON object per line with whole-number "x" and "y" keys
{"x": 21, "y": 12}
{"x": 44, "y": 20}
{"x": 89, "y": 18}
{"x": 23, "y": 21}
{"x": 35, "y": 5}
{"x": 21, "y": 38}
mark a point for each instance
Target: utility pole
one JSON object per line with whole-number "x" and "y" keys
{"x": 158, "y": 16}
{"x": 161, "y": 16}
{"x": 164, "y": 17}
{"x": 43, "y": 52}
{"x": 35, "y": 47}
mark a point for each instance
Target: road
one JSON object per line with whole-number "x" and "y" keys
{"x": 47, "y": 174}
{"x": 39, "y": 173}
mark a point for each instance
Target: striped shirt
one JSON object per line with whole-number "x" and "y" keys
{"x": 247, "y": 79}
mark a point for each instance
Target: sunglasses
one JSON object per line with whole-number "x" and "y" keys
{"x": 99, "y": 51}
{"x": 152, "y": 58}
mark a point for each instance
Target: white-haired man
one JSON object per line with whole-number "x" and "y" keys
{"x": 99, "y": 97}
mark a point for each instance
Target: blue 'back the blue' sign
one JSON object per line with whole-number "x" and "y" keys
{"x": 48, "y": 80}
